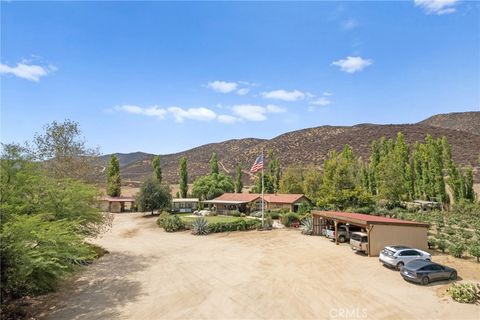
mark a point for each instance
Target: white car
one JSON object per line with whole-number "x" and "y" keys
{"x": 398, "y": 256}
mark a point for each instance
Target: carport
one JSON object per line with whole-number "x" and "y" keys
{"x": 382, "y": 231}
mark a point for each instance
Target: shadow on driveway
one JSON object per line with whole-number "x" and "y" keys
{"x": 98, "y": 292}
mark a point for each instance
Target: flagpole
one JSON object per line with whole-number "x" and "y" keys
{"x": 263, "y": 164}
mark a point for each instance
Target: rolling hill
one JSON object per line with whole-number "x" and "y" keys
{"x": 308, "y": 146}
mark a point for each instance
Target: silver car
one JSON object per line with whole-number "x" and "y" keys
{"x": 398, "y": 256}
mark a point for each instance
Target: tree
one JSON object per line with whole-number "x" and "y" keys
{"x": 114, "y": 188}
{"x": 374, "y": 161}
{"x": 44, "y": 223}
{"x": 292, "y": 180}
{"x": 211, "y": 186}
{"x": 183, "y": 177}
{"x": 469, "y": 192}
{"x": 341, "y": 186}
{"x": 312, "y": 182}
{"x": 238, "y": 179}
{"x": 267, "y": 184}
{"x": 214, "y": 164}
{"x": 154, "y": 196}
{"x": 64, "y": 151}
{"x": 274, "y": 170}
{"x": 157, "y": 170}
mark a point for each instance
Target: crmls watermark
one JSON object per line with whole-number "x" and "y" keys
{"x": 348, "y": 313}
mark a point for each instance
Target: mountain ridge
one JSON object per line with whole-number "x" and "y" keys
{"x": 308, "y": 146}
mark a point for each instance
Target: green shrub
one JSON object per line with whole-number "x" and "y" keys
{"x": 162, "y": 217}
{"x": 237, "y": 225}
{"x": 268, "y": 222}
{"x": 288, "y": 218}
{"x": 442, "y": 244}
{"x": 235, "y": 213}
{"x": 456, "y": 249}
{"x": 200, "y": 226}
{"x": 465, "y": 292}
{"x": 432, "y": 243}
{"x": 474, "y": 249}
{"x": 173, "y": 223}
{"x": 307, "y": 226}
{"x": 275, "y": 215}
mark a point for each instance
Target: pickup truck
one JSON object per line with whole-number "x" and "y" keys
{"x": 344, "y": 232}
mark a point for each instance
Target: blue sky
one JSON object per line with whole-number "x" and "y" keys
{"x": 165, "y": 77}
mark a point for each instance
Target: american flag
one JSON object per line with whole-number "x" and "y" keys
{"x": 258, "y": 165}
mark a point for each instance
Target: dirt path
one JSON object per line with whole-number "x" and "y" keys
{"x": 150, "y": 274}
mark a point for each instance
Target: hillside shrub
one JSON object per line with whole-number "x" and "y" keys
{"x": 456, "y": 249}
{"x": 432, "y": 243}
{"x": 200, "y": 226}
{"x": 442, "y": 244}
{"x": 474, "y": 249}
{"x": 173, "y": 223}
{"x": 465, "y": 292}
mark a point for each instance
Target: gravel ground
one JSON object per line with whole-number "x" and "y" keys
{"x": 280, "y": 274}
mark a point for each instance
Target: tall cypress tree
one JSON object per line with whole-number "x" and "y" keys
{"x": 274, "y": 170}
{"x": 157, "y": 170}
{"x": 374, "y": 161}
{"x": 214, "y": 164}
{"x": 469, "y": 192}
{"x": 113, "y": 177}
{"x": 238, "y": 181}
{"x": 183, "y": 177}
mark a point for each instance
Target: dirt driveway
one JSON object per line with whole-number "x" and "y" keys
{"x": 150, "y": 274}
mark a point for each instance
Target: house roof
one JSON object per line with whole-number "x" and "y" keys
{"x": 117, "y": 199}
{"x": 364, "y": 219}
{"x": 225, "y": 201}
{"x": 283, "y": 198}
{"x": 250, "y": 197}
{"x": 242, "y": 197}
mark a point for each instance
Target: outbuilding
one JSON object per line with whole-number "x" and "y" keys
{"x": 117, "y": 204}
{"x": 381, "y": 231}
{"x": 184, "y": 204}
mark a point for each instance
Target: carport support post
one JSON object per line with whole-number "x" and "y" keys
{"x": 336, "y": 231}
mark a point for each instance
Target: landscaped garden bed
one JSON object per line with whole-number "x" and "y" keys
{"x": 208, "y": 224}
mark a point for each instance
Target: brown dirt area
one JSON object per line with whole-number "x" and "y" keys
{"x": 280, "y": 274}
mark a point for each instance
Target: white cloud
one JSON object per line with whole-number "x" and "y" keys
{"x": 27, "y": 71}
{"x": 243, "y": 91}
{"x": 352, "y": 64}
{"x": 222, "y": 86}
{"x": 271, "y": 108}
{"x": 152, "y": 111}
{"x": 250, "y": 112}
{"x": 322, "y": 101}
{"x": 241, "y": 87}
{"x": 201, "y": 114}
{"x": 438, "y": 7}
{"x": 327, "y": 94}
{"x": 285, "y": 95}
{"x": 349, "y": 24}
{"x": 225, "y": 118}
